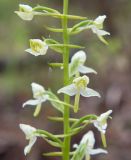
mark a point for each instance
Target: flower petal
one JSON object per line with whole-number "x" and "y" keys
{"x": 24, "y": 15}
{"x": 105, "y": 115}
{"x": 88, "y": 92}
{"x": 100, "y": 19}
{"x": 38, "y": 90}
{"x": 84, "y": 70}
{"x": 97, "y": 151}
{"x": 70, "y": 90}
{"x": 75, "y": 146}
{"x": 32, "y": 102}
{"x": 27, "y": 129}
{"x": 101, "y": 127}
{"x": 29, "y": 146}
{"x": 29, "y": 50}
{"x": 99, "y": 32}
{"x": 88, "y": 139}
{"x": 80, "y": 56}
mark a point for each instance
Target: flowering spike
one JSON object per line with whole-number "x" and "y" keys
{"x": 74, "y": 85}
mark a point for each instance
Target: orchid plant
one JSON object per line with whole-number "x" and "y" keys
{"x": 75, "y": 84}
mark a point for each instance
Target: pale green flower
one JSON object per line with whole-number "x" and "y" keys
{"x": 37, "y": 47}
{"x": 39, "y": 95}
{"x": 25, "y": 12}
{"x": 77, "y": 64}
{"x": 29, "y": 133}
{"x": 88, "y": 141}
{"x": 101, "y": 122}
{"x": 98, "y": 26}
{"x": 79, "y": 86}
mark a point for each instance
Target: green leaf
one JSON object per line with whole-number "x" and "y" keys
{"x": 52, "y": 143}
{"x": 61, "y": 119}
{"x": 54, "y": 45}
{"x": 61, "y": 16}
{"x": 66, "y": 45}
{"x": 55, "y": 104}
{"x": 54, "y": 13}
{"x": 76, "y": 130}
{"x": 58, "y": 47}
{"x": 55, "y": 65}
{"x": 45, "y": 9}
{"x": 86, "y": 119}
{"x": 70, "y": 133}
{"x": 45, "y": 134}
{"x": 81, "y": 26}
{"x": 55, "y": 154}
{"x": 58, "y": 30}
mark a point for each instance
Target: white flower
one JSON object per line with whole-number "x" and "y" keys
{"x": 25, "y": 12}
{"x": 98, "y": 26}
{"x": 38, "y": 94}
{"x": 88, "y": 141}
{"x": 101, "y": 122}
{"x": 37, "y": 47}
{"x": 79, "y": 87}
{"x": 77, "y": 64}
{"x": 29, "y": 133}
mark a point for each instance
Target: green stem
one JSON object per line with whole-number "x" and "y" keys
{"x": 66, "y": 144}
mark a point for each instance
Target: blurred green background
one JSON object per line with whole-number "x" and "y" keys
{"x": 19, "y": 69}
